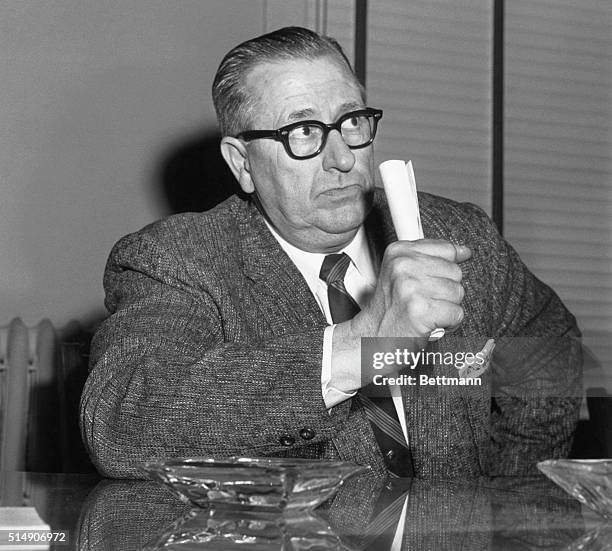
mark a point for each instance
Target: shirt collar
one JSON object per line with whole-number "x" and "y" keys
{"x": 309, "y": 264}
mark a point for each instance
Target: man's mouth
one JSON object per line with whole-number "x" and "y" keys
{"x": 342, "y": 192}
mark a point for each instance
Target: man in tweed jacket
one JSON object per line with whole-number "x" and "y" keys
{"x": 216, "y": 343}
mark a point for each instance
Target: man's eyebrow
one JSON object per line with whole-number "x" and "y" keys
{"x": 351, "y": 106}
{"x": 308, "y": 112}
{"x": 301, "y": 115}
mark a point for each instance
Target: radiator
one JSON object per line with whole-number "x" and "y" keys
{"x": 29, "y": 399}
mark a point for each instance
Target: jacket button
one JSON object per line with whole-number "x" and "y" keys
{"x": 307, "y": 434}
{"x": 287, "y": 440}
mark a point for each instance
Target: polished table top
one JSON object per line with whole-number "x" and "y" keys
{"x": 471, "y": 514}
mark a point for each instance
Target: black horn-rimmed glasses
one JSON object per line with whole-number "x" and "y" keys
{"x": 306, "y": 139}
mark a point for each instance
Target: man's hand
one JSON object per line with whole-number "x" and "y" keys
{"x": 418, "y": 289}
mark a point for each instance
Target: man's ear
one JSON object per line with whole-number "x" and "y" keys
{"x": 235, "y": 155}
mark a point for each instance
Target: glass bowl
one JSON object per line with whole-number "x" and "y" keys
{"x": 266, "y": 484}
{"x": 588, "y": 480}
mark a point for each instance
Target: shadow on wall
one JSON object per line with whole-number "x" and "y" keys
{"x": 192, "y": 175}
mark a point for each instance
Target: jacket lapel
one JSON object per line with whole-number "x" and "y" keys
{"x": 278, "y": 288}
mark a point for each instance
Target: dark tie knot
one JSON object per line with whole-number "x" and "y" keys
{"x": 334, "y": 267}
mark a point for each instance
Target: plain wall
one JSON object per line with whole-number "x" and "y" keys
{"x": 96, "y": 96}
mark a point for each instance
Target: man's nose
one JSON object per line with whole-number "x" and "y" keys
{"x": 336, "y": 154}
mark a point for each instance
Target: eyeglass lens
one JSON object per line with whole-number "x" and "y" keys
{"x": 307, "y": 138}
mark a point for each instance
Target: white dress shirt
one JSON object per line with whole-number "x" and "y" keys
{"x": 360, "y": 282}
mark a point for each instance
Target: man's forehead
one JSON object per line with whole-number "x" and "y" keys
{"x": 295, "y": 87}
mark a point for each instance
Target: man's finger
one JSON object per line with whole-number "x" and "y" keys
{"x": 462, "y": 253}
{"x": 432, "y": 247}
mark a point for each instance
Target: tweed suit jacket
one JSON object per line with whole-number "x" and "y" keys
{"x": 214, "y": 347}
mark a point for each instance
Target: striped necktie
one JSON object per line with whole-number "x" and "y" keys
{"x": 380, "y": 411}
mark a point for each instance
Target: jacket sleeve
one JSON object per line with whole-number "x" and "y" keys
{"x": 537, "y": 363}
{"x": 163, "y": 382}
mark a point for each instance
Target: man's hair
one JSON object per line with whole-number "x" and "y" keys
{"x": 233, "y": 103}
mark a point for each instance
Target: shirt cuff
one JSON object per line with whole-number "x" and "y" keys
{"x": 331, "y": 395}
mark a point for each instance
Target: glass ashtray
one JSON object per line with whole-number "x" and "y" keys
{"x": 588, "y": 480}
{"x": 266, "y": 484}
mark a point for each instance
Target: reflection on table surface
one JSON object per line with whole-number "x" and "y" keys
{"x": 472, "y": 514}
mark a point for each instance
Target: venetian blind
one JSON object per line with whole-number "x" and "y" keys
{"x": 558, "y": 168}
{"x": 339, "y": 22}
{"x": 429, "y": 69}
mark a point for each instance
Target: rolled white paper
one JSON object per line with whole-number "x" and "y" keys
{"x": 402, "y": 199}
{"x": 400, "y": 188}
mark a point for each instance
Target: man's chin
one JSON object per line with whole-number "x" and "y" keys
{"x": 349, "y": 214}
{"x": 345, "y": 220}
